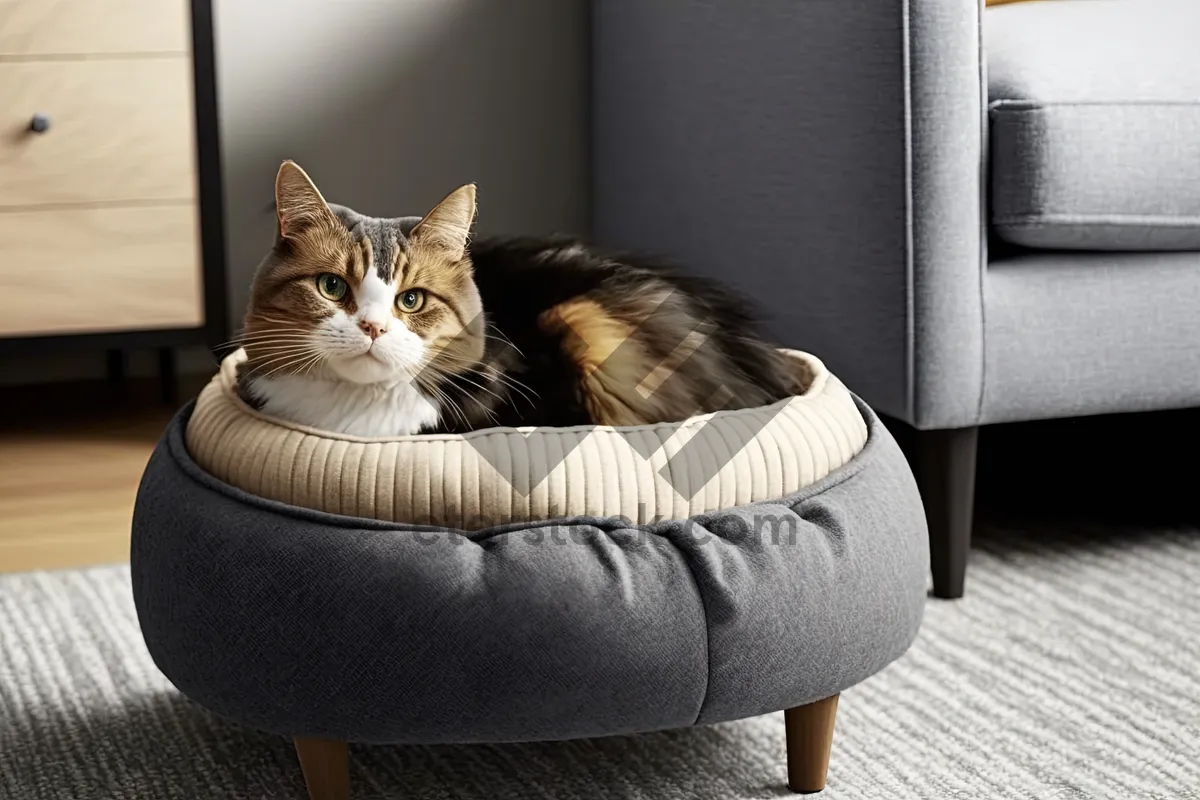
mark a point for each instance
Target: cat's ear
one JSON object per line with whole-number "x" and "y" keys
{"x": 298, "y": 202}
{"x": 448, "y": 226}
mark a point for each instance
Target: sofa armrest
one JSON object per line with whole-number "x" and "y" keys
{"x": 825, "y": 158}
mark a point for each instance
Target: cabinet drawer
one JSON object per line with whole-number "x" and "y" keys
{"x": 119, "y": 131}
{"x": 99, "y": 269}
{"x": 81, "y": 27}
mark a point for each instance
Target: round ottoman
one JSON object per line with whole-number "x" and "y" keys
{"x": 529, "y": 584}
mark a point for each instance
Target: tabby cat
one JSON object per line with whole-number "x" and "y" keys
{"x": 384, "y": 327}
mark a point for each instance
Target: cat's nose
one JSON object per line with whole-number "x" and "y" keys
{"x": 373, "y": 329}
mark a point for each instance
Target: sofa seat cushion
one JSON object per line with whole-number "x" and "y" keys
{"x": 1095, "y": 124}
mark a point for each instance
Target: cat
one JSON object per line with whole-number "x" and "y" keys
{"x": 387, "y": 327}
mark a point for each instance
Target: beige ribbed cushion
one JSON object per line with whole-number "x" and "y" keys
{"x": 446, "y": 480}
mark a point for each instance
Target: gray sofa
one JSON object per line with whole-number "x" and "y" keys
{"x": 973, "y": 216}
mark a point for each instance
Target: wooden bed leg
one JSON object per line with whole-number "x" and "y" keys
{"x": 326, "y": 766}
{"x": 809, "y": 738}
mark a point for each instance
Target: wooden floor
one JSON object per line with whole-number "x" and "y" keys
{"x": 71, "y": 456}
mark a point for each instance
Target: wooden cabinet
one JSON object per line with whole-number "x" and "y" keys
{"x": 109, "y": 182}
{"x": 54, "y": 28}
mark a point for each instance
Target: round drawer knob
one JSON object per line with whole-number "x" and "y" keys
{"x": 40, "y": 123}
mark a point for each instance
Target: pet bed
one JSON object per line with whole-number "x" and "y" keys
{"x": 283, "y": 579}
{"x": 495, "y": 476}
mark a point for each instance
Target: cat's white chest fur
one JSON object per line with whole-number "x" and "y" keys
{"x": 343, "y": 407}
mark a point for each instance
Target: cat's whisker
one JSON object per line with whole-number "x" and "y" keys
{"x": 451, "y": 359}
{"x": 483, "y": 388}
{"x": 271, "y": 331}
{"x": 451, "y": 377}
{"x": 281, "y": 368}
{"x": 482, "y": 407}
{"x": 473, "y": 366}
{"x": 458, "y": 412}
{"x": 288, "y": 359}
{"x": 265, "y": 316}
{"x": 439, "y": 362}
{"x": 445, "y": 398}
{"x": 310, "y": 364}
{"x": 280, "y": 353}
{"x": 508, "y": 343}
{"x": 294, "y": 340}
{"x": 503, "y": 338}
{"x": 491, "y": 415}
{"x": 270, "y": 337}
{"x": 498, "y": 375}
{"x": 278, "y": 328}
{"x": 266, "y": 373}
{"x": 259, "y": 343}
{"x": 253, "y": 349}
{"x": 477, "y": 401}
{"x": 495, "y": 420}
{"x": 254, "y": 337}
{"x": 276, "y": 353}
{"x": 267, "y": 348}
{"x": 258, "y": 367}
{"x": 515, "y": 385}
{"x": 274, "y": 335}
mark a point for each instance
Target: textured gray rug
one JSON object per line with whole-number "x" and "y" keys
{"x": 1072, "y": 670}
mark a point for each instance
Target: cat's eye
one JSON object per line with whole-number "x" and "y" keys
{"x": 410, "y": 301}
{"x": 331, "y": 286}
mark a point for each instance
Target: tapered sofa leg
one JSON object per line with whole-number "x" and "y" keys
{"x": 945, "y": 471}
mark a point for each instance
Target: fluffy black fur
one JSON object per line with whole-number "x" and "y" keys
{"x": 533, "y": 376}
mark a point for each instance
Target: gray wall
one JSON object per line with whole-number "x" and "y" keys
{"x": 391, "y": 104}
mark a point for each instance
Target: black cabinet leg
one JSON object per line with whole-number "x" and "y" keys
{"x": 114, "y": 367}
{"x": 167, "y": 376}
{"x": 945, "y": 472}
{"x": 115, "y": 373}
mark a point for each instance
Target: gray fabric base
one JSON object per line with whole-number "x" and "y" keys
{"x": 1068, "y": 672}
{"x": 311, "y": 624}
{"x": 1095, "y": 108}
{"x": 1091, "y": 333}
